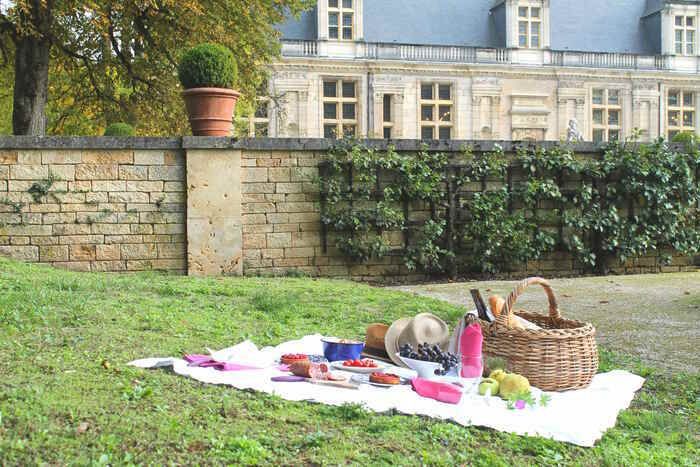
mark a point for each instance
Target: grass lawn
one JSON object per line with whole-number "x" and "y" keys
{"x": 67, "y": 397}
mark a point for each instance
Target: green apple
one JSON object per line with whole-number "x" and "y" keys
{"x": 488, "y": 384}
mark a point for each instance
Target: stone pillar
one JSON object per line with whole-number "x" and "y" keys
{"x": 214, "y": 226}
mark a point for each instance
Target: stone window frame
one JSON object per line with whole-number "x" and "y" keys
{"x": 388, "y": 123}
{"x": 323, "y": 24}
{"x": 527, "y": 18}
{"x": 688, "y": 47}
{"x": 339, "y": 100}
{"x": 605, "y": 128}
{"x": 513, "y": 23}
{"x": 682, "y": 108}
{"x": 436, "y": 123}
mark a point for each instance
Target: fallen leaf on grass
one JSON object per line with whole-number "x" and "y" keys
{"x": 83, "y": 427}
{"x": 687, "y": 292}
{"x": 604, "y": 302}
{"x": 566, "y": 296}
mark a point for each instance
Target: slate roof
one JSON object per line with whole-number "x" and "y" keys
{"x": 631, "y": 26}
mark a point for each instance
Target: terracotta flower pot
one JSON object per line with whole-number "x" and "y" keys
{"x": 210, "y": 110}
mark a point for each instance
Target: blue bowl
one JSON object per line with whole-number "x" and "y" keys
{"x": 334, "y": 350}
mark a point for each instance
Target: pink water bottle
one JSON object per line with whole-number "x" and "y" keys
{"x": 470, "y": 343}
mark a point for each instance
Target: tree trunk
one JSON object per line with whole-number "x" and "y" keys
{"x": 31, "y": 86}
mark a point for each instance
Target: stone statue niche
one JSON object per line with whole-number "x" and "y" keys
{"x": 573, "y": 134}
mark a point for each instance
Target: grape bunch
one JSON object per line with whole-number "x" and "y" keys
{"x": 431, "y": 353}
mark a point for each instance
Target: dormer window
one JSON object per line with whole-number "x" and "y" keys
{"x": 529, "y": 27}
{"x": 341, "y": 20}
{"x": 684, "y": 30}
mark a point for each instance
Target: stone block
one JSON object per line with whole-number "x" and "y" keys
{"x": 166, "y": 172}
{"x": 21, "y": 253}
{"x": 29, "y": 172}
{"x": 172, "y": 250}
{"x": 139, "y": 251}
{"x": 74, "y": 266}
{"x": 279, "y": 240}
{"x": 149, "y": 157}
{"x": 290, "y": 262}
{"x": 108, "y": 266}
{"x": 107, "y": 252}
{"x": 50, "y": 207}
{"x": 139, "y": 265}
{"x": 29, "y": 230}
{"x": 257, "y": 228}
{"x": 254, "y": 174}
{"x": 145, "y": 229}
{"x": 59, "y": 218}
{"x": 250, "y": 219}
{"x": 254, "y": 241}
{"x": 169, "y": 229}
{"x": 43, "y": 241}
{"x": 144, "y": 186}
{"x": 253, "y": 208}
{"x": 63, "y": 172}
{"x": 214, "y": 246}
{"x": 96, "y": 172}
{"x": 258, "y": 187}
{"x": 174, "y": 158}
{"x": 303, "y": 217}
{"x": 133, "y": 172}
{"x": 20, "y": 240}
{"x": 109, "y": 185}
{"x": 128, "y": 217}
{"x": 29, "y": 157}
{"x": 32, "y": 218}
{"x": 298, "y": 252}
{"x": 108, "y": 157}
{"x": 288, "y": 188}
{"x": 111, "y": 229}
{"x": 281, "y": 174}
{"x": 169, "y": 197}
{"x": 8, "y": 157}
{"x": 286, "y": 228}
{"x": 278, "y": 218}
{"x": 80, "y": 186}
{"x": 82, "y": 239}
{"x": 175, "y": 186}
{"x": 71, "y": 229}
{"x": 99, "y": 197}
{"x": 130, "y": 239}
{"x": 4, "y": 172}
{"x": 306, "y": 239}
{"x": 51, "y": 156}
{"x": 82, "y": 252}
{"x": 179, "y": 265}
{"x": 295, "y": 207}
{"x": 273, "y": 253}
{"x": 129, "y": 197}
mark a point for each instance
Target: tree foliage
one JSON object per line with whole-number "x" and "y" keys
{"x": 116, "y": 61}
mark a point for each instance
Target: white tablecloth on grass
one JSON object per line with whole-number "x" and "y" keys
{"x": 579, "y": 417}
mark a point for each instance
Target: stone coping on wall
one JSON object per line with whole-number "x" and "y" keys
{"x": 264, "y": 144}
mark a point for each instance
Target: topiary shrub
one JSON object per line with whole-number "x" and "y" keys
{"x": 120, "y": 129}
{"x": 685, "y": 137}
{"x": 208, "y": 66}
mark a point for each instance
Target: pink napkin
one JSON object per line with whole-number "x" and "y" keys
{"x": 206, "y": 361}
{"x": 443, "y": 392}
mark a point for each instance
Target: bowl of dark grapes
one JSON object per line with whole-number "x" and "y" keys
{"x": 429, "y": 360}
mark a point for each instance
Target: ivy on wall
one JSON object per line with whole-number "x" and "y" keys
{"x": 491, "y": 212}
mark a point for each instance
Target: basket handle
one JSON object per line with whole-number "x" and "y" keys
{"x": 518, "y": 291}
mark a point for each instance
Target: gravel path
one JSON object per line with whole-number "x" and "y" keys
{"x": 656, "y": 317}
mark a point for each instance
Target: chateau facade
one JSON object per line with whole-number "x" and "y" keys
{"x": 485, "y": 69}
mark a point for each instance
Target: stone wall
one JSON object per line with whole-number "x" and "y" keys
{"x": 94, "y": 209}
{"x": 202, "y": 206}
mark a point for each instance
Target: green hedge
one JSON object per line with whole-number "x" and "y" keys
{"x": 490, "y": 212}
{"x": 208, "y": 65}
{"x": 119, "y": 129}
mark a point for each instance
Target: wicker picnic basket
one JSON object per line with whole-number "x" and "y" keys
{"x": 563, "y": 355}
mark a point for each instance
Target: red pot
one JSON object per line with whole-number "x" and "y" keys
{"x": 210, "y": 110}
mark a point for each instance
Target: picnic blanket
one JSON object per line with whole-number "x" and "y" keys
{"x": 579, "y": 417}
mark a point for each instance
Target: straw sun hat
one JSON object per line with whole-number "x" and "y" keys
{"x": 424, "y": 327}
